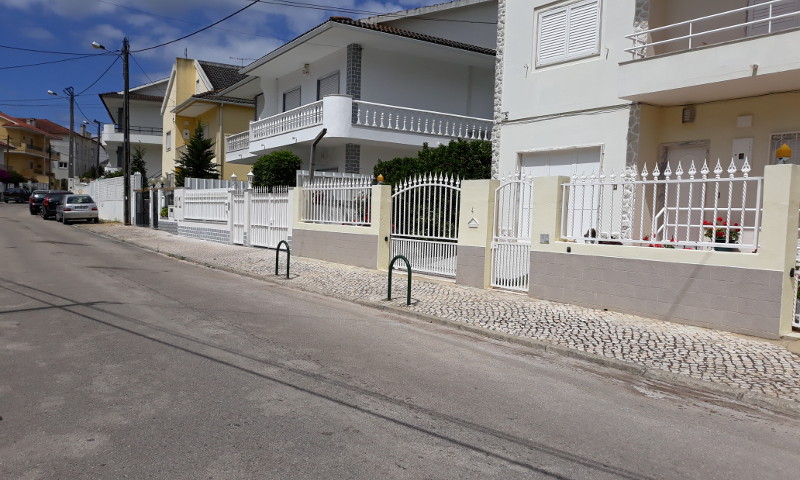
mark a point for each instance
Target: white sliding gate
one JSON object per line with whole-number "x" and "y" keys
{"x": 425, "y": 211}
{"x": 511, "y": 242}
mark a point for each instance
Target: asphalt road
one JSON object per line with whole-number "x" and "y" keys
{"x": 120, "y": 363}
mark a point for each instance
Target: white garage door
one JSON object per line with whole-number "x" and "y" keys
{"x": 566, "y": 162}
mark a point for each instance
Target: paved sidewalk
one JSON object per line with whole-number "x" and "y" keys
{"x": 762, "y": 370}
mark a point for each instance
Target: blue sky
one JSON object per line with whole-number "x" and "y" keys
{"x": 70, "y": 26}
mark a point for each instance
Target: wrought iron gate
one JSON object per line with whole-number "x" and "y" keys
{"x": 511, "y": 242}
{"x": 238, "y": 218}
{"x": 425, "y": 211}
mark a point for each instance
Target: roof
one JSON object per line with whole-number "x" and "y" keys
{"x": 50, "y": 127}
{"x": 213, "y": 95}
{"x": 15, "y": 122}
{"x": 414, "y": 35}
{"x": 221, "y": 75}
{"x": 133, "y": 96}
{"x": 424, "y": 10}
{"x": 366, "y": 26}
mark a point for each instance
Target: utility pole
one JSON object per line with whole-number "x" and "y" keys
{"x": 126, "y": 146}
{"x": 71, "y": 167}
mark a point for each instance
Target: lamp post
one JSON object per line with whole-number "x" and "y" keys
{"x": 126, "y": 129}
{"x": 70, "y": 92}
{"x": 97, "y": 158}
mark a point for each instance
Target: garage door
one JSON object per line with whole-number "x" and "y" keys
{"x": 567, "y": 162}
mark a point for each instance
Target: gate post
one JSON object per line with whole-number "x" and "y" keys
{"x": 382, "y": 217}
{"x": 476, "y": 221}
{"x": 229, "y": 207}
{"x": 248, "y": 208}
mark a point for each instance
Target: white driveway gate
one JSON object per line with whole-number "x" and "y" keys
{"x": 269, "y": 216}
{"x": 511, "y": 243}
{"x": 238, "y": 218}
{"x": 425, "y": 213}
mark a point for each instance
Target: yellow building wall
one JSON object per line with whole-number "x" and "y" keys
{"x": 716, "y": 122}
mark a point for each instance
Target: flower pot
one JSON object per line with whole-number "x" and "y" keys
{"x": 725, "y": 249}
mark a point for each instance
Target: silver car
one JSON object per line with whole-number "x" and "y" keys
{"x": 77, "y": 207}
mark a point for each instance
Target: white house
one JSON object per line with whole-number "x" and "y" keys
{"x": 145, "y": 125}
{"x": 378, "y": 90}
{"x": 634, "y": 82}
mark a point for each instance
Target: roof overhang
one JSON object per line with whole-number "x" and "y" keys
{"x": 194, "y": 107}
{"x": 250, "y": 87}
{"x": 331, "y": 37}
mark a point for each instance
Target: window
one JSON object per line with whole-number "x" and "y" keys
{"x": 328, "y": 85}
{"x": 62, "y": 164}
{"x": 291, "y": 99}
{"x": 568, "y": 32}
{"x": 168, "y": 140}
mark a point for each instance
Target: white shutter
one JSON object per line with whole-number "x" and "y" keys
{"x": 584, "y": 28}
{"x": 568, "y": 32}
{"x": 291, "y": 99}
{"x": 328, "y": 85}
{"x": 552, "y": 35}
{"x": 787, "y": 6}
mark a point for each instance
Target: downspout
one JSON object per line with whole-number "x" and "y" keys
{"x": 313, "y": 148}
{"x": 221, "y": 139}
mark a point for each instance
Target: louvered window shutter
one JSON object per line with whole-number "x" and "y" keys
{"x": 759, "y": 13}
{"x": 584, "y": 28}
{"x": 328, "y": 86}
{"x": 291, "y": 99}
{"x": 567, "y": 32}
{"x": 552, "y": 36}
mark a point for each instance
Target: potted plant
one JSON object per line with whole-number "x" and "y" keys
{"x": 721, "y": 232}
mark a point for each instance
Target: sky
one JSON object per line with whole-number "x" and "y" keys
{"x": 62, "y": 31}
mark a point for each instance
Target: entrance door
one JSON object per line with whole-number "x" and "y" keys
{"x": 681, "y": 213}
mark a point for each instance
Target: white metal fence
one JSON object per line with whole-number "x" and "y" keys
{"x": 511, "y": 243}
{"x": 665, "y": 209}
{"x": 390, "y": 117}
{"x": 425, "y": 216}
{"x": 208, "y": 205}
{"x": 344, "y": 201}
{"x": 303, "y": 176}
{"x": 214, "y": 183}
{"x": 270, "y": 219}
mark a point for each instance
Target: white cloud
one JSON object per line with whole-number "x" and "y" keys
{"x": 37, "y": 33}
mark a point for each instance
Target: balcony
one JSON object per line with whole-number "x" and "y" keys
{"x": 734, "y": 53}
{"x": 353, "y": 121}
{"x": 113, "y": 133}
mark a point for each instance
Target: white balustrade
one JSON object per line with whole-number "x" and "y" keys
{"x": 240, "y": 141}
{"x": 344, "y": 201}
{"x": 665, "y": 209}
{"x": 401, "y": 119}
{"x": 295, "y": 119}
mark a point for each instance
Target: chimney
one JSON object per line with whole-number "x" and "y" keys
{"x": 31, "y": 121}
{"x": 83, "y": 130}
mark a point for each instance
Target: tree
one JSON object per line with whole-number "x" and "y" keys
{"x": 197, "y": 161}
{"x": 469, "y": 160}
{"x": 277, "y": 168}
{"x": 137, "y": 162}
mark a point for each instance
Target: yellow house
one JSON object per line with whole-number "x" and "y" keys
{"x": 28, "y": 151}
{"x": 192, "y": 99}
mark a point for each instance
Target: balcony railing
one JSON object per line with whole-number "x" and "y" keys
{"x": 767, "y": 18}
{"x": 141, "y": 130}
{"x": 424, "y": 122}
{"x": 295, "y": 119}
{"x": 28, "y": 146}
{"x": 240, "y": 141}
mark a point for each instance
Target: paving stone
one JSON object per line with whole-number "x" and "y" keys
{"x": 714, "y": 356}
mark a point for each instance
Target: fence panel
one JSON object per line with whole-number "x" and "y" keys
{"x": 511, "y": 245}
{"x": 341, "y": 201}
{"x": 270, "y": 219}
{"x": 206, "y": 205}
{"x": 664, "y": 209}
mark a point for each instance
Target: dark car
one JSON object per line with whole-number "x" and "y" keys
{"x": 51, "y": 201}
{"x": 35, "y": 201}
{"x": 18, "y": 195}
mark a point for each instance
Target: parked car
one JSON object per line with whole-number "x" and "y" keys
{"x": 51, "y": 201}
{"x": 35, "y": 201}
{"x": 76, "y": 207}
{"x": 18, "y": 195}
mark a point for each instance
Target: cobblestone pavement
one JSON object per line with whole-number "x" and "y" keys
{"x": 754, "y": 365}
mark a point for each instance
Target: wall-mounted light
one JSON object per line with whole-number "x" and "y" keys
{"x": 306, "y": 69}
{"x": 783, "y": 154}
{"x": 688, "y": 114}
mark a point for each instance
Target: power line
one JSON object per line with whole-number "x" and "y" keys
{"x": 197, "y": 31}
{"x": 145, "y": 73}
{"x": 82, "y": 112}
{"x": 9, "y": 67}
{"x": 116, "y": 58}
{"x": 9, "y": 47}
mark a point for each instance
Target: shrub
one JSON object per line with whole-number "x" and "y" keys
{"x": 469, "y": 160}
{"x": 277, "y": 168}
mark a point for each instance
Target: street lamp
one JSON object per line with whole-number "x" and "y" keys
{"x": 126, "y": 129}
{"x": 70, "y": 92}
{"x": 97, "y": 164}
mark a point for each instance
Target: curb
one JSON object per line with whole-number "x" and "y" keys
{"x": 752, "y": 399}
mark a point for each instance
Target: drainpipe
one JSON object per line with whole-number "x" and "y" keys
{"x": 221, "y": 142}
{"x": 313, "y": 147}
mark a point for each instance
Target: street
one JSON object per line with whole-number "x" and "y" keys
{"x": 116, "y": 362}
